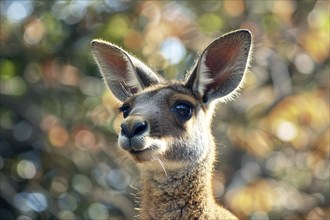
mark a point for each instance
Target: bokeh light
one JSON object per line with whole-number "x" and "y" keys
{"x": 97, "y": 211}
{"x": 35, "y": 201}
{"x": 173, "y": 50}
{"x": 26, "y": 169}
{"x": 17, "y": 11}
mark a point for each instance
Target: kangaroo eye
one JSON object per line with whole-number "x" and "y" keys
{"x": 183, "y": 110}
{"x": 125, "y": 109}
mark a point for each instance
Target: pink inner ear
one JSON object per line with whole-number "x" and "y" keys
{"x": 219, "y": 60}
{"x": 219, "y": 80}
{"x": 222, "y": 57}
{"x": 116, "y": 63}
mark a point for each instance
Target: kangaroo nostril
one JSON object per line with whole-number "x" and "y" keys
{"x": 125, "y": 131}
{"x": 136, "y": 129}
{"x": 139, "y": 128}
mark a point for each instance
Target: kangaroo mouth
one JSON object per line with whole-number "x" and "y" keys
{"x": 138, "y": 152}
{"x": 144, "y": 155}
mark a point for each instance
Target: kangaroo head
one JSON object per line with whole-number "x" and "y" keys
{"x": 170, "y": 120}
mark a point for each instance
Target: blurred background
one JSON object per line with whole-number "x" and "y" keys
{"x": 59, "y": 123}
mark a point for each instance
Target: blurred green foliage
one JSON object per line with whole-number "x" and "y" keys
{"x": 58, "y": 122}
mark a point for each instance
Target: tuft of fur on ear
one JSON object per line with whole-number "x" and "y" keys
{"x": 220, "y": 71}
{"x": 124, "y": 74}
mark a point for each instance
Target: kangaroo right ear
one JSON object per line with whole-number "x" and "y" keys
{"x": 220, "y": 70}
{"x": 125, "y": 75}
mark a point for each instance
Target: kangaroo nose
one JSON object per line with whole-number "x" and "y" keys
{"x": 133, "y": 130}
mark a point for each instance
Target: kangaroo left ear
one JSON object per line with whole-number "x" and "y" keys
{"x": 220, "y": 70}
{"x": 124, "y": 74}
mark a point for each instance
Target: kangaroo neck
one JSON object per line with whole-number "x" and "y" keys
{"x": 181, "y": 193}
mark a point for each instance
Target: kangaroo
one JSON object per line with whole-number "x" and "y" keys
{"x": 166, "y": 128}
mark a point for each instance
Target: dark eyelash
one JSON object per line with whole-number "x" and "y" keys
{"x": 123, "y": 107}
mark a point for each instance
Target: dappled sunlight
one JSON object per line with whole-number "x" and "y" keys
{"x": 257, "y": 196}
{"x": 300, "y": 119}
{"x": 59, "y": 123}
